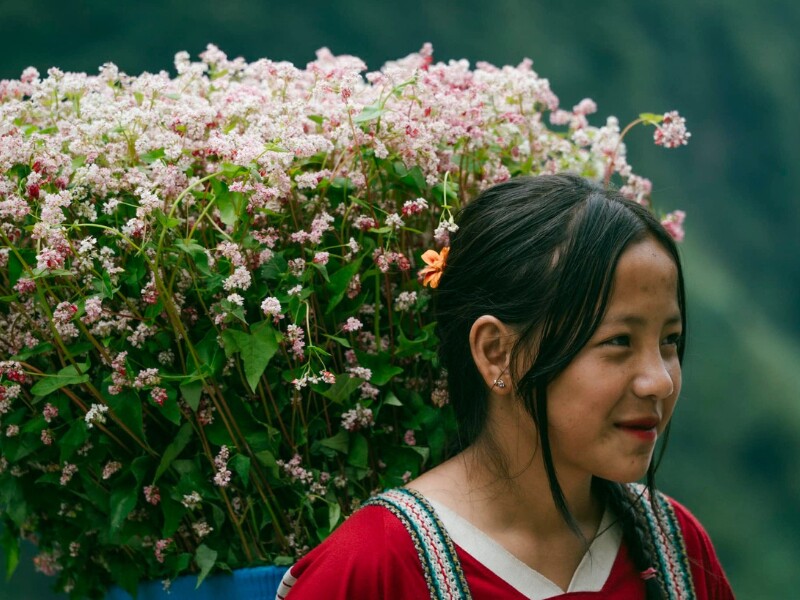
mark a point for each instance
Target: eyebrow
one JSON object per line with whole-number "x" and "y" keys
{"x": 637, "y": 321}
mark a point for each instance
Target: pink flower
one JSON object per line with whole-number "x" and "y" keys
{"x": 672, "y": 132}
{"x": 67, "y": 472}
{"x": 354, "y": 286}
{"x": 159, "y": 395}
{"x": 352, "y": 325}
{"x": 152, "y": 494}
{"x": 64, "y": 312}
{"x": 47, "y": 563}
{"x": 673, "y": 223}
{"x": 93, "y": 309}
{"x": 357, "y": 418}
{"x": 239, "y": 279}
{"x": 414, "y": 207}
{"x": 47, "y": 437}
{"x": 222, "y": 477}
{"x": 147, "y": 378}
{"x": 409, "y": 438}
{"x": 111, "y": 468}
{"x": 50, "y": 412}
{"x": 25, "y": 286}
{"x": 295, "y": 337}
{"x": 161, "y": 547}
{"x": 587, "y": 106}
{"x": 271, "y": 307}
{"x": 149, "y": 292}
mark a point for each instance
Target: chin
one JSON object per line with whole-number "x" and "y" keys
{"x": 631, "y": 474}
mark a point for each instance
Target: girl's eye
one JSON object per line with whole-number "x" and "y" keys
{"x": 673, "y": 340}
{"x": 620, "y": 340}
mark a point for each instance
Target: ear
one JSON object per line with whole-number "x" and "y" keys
{"x": 490, "y": 342}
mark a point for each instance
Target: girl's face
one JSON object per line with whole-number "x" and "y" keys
{"x": 608, "y": 407}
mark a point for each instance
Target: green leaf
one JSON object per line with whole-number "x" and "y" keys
{"x": 197, "y": 252}
{"x": 13, "y": 502}
{"x": 369, "y": 113}
{"x": 339, "y": 340}
{"x": 205, "y": 558}
{"x": 152, "y": 156}
{"x": 41, "y": 348}
{"x": 139, "y": 467}
{"x": 174, "y": 449}
{"x": 66, "y": 376}
{"x": 212, "y": 357}
{"x": 72, "y": 440}
{"x": 359, "y": 451}
{"x": 426, "y": 341}
{"x": 341, "y": 390}
{"x": 231, "y": 171}
{"x": 191, "y": 392}
{"x": 322, "y": 269}
{"x": 415, "y": 179}
{"x": 651, "y": 118}
{"x": 392, "y": 400}
{"x": 128, "y": 409}
{"x": 122, "y": 502}
{"x": 255, "y": 349}
{"x": 15, "y": 269}
{"x": 104, "y": 287}
{"x": 241, "y": 465}
{"x": 424, "y": 452}
{"x": 123, "y": 575}
{"x": 338, "y": 442}
{"x": 11, "y": 547}
{"x": 173, "y": 513}
{"x": 334, "y": 514}
{"x": 380, "y": 365}
{"x": 167, "y": 222}
{"x": 337, "y": 285}
{"x": 228, "y": 203}
{"x": 170, "y": 409}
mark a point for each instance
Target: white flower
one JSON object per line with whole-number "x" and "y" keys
{"x": 239, "y": 279}
{"x": 394, "y": 221}
{"x": 271, "y": 307}
{"x": 352, "y": 324}
{"x": 96, "y": 415}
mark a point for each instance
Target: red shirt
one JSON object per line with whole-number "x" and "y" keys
{"x": 371, "y": 556}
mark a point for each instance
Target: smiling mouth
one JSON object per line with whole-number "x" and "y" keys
{"x": 645, "y": 431}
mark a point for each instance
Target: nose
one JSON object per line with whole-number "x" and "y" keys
{"x": 655, "y": 376}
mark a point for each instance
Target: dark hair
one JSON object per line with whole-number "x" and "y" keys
{"x": 539, "y": 254}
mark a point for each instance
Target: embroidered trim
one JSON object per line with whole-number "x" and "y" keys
{"x": 665, "y": 531}
{"x": 437, "y": 554}
{"x": 285, "y": 586}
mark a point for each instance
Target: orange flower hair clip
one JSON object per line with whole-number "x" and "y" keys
{"x": 436, "y": 262}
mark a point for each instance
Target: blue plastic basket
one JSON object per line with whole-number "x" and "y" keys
{"x": 256, "y": 583}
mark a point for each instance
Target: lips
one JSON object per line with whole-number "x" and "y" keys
{"x": 643, "y": 428}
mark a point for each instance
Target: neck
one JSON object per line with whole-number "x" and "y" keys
{"x": 519, "y": 491}
{"x": 517, "y": 483}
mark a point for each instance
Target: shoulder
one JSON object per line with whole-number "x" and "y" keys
{"x": 707, "y": 572}
{"x": 370, "y": 555}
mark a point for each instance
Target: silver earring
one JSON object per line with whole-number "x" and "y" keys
{"x": 500, "y": 383}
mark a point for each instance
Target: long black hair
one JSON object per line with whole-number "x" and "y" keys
{"x": 539, "y": 254}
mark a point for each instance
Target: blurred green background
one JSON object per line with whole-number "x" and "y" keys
{"x": 731, "y": 67}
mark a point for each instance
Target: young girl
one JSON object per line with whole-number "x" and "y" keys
{"x": 561, "y": 315}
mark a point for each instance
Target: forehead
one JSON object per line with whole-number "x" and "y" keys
{"x": 646, "y": 279}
